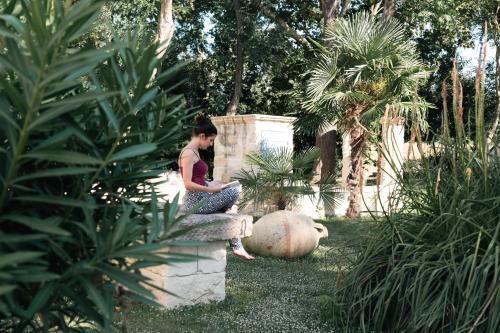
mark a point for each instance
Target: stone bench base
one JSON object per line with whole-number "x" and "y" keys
{"x": 201, "y": 280}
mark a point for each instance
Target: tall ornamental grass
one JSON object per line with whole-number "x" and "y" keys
{"x": 434, "y": 266}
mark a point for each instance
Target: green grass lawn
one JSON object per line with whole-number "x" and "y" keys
{"x": 264, "y": 295}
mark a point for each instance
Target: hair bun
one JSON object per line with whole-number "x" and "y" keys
{"x": 200, "y": 118}
{"x": 203, "y": 125}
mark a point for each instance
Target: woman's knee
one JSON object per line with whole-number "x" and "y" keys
{"x": 232, "y": 193}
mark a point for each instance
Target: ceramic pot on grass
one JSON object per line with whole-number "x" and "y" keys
{"x": 285, "y": 234}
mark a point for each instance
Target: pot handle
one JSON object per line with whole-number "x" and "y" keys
{"x": 322, "y": 230}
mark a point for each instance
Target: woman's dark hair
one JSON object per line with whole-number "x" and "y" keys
{"x": 203, "y": 125}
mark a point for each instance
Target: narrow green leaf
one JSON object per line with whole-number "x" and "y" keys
{"x": 141, "y": 248}
{"x": 58, "y": 138}
{"x": 104, "y": 103}
{"x": 146, "y": 98}
{"x": 63, "y": 156}
{"x": 5, "y": 116}
{"x": 53, "y": 200}
{"x": 120, "y": 226}
{"x": 37, "y": 277}
{"x": 41, "y": 299}
{"x": 13, "y": 93}
{"x": 7, "y": 288}
{"x": 37, "y": 224}
{"x": 133, "y": 151}
{"x": 127, "y": 279}
{"x": 7, "y": 34}
{"x": 58, "y": 172}
{"x": 96, "y": 297}
{"x": 18, "y": 238}
{"x": 18, "y": 257}
{"x": 51, "y": 114}
{"x": 14, "y": 22}
{"x": 156, "y": 225}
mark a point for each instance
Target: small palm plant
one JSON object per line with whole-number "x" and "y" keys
{"x": 279, "y": 177}
{"x": 369, "y": 69}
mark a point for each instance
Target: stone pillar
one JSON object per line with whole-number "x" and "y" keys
{"x": 241, "y": 134}
{"x": 201, "y": 277}
{"x": 193, "y": 282}
{"x": 392, "y": 161}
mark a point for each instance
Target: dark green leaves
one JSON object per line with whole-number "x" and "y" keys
{"x": 80, "y": 132}
{"x": 63, "y": 156}
{"x": 12, "y": 259}
{"x": 133, "y": 151}
{"x": 48, "y": 226}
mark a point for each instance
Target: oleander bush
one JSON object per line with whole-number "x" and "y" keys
{"x": 81, "y": 132}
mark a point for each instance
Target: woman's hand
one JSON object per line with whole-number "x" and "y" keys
{"x": 214, "y": 188}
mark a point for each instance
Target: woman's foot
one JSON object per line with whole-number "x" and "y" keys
{"x": 239, "y": 250}
{"x": 243, "y": 254}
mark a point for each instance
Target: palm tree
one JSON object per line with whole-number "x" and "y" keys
{"x": 368, "y": 69}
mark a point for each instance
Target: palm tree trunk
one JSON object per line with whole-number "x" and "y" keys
{"x": 326, "y": 140}
{"x": 389, "y": 9}
{"x": 330, "y": 9}
{"x": 354, "y": 179}
{"x": 232, "y": 107}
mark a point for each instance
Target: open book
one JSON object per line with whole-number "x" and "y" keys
{"x": 231, "y": 184}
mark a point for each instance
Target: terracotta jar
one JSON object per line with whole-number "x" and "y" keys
{"x": 285, "y": 234}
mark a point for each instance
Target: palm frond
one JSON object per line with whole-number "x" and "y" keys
{"x": 278, "y": 176}
{"x": 368, "y": 62}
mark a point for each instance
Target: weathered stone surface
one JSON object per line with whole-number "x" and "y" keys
{"x": 216, "y": 251}
{"x": 241, "y": 134}
{"x": 193, "y": 289}
{"x": 285, "y": 234}
{"x": 201, "y": 280}
{"x": 214, "y": 227}
{"x": 184, "y": 268}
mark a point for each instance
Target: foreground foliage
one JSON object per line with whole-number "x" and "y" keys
{"x": 81, "y": 131}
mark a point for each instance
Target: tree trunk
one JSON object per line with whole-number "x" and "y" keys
{"x": 355, "y": 173}
{"x": 330, "y": 10}
{"x": 282, "y": 23}
{"x": 238, "y": 71}
{"x": 389, "y": 9}
{"x": 164, "y": 32}
{"x": 345, "y": 6}
{"x": 326, "y": 140}
{"x": 166, "y": 27}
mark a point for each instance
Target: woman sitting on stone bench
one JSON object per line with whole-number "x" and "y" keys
{"x": 193, "y": 170}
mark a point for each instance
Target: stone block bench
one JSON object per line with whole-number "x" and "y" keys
{"x": 202, "y": 280}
